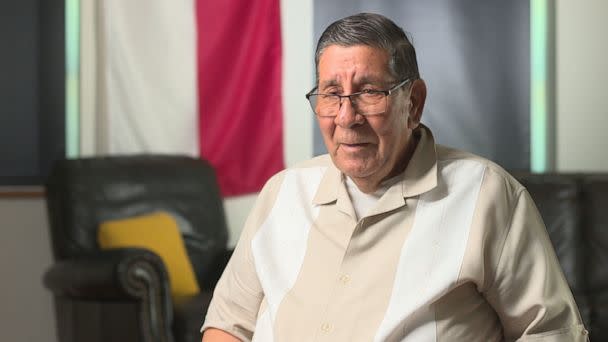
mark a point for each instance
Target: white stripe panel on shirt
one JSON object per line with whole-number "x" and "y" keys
{"x": 263, "y": 328}
{"x": 279, "y": 246}
{"x": 432, "y": 254}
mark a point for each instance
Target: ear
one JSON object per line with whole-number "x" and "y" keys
{"x": 418, "y": 98}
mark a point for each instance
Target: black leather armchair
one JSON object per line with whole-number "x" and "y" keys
{"x": 123, "y": 294}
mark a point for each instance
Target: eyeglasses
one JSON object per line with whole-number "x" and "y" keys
{"x": 367, "y": 102}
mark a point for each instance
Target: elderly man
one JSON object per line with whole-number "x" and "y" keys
{"x": 389, "y": 237}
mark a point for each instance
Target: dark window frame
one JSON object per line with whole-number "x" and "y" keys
{"x": 50, "y": 100}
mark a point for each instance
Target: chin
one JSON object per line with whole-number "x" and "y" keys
{"x": 355, "y": 168}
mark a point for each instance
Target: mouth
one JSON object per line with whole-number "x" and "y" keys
{"x": 354, "y": 147}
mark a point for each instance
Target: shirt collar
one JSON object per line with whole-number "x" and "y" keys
{"x": 330, "y": 186}
{"x": 419, "y": 177}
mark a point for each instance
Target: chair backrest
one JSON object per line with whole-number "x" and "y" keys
{"x": 81, "y": 193}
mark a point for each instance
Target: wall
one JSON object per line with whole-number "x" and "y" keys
{"x": 26, "y": 312}
{"x": 581, "y": 89}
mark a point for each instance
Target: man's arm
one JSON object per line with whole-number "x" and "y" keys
{"x": 236, "y": 300}
{"x": 217, "y": 335}
{"x": 529, "y": 291}
{"x": 238, "y": 295}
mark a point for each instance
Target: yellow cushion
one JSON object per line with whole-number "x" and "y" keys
{"x": 159, "y": 233}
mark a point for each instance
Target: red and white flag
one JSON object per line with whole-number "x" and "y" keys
{"x": 194, "y": 77}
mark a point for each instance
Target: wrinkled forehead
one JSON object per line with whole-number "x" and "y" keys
{"x": 356, "y": 64}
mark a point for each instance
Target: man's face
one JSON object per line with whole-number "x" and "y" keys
{"x": 364, "y": 148}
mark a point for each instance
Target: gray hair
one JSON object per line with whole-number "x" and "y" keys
{"x": 373, "y": 30}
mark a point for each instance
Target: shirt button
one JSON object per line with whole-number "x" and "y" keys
{"x": 345, "y": 279}
{"x": 326, "y": 327}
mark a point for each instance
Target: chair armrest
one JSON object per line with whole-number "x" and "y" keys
{"x": 123, "y": 273}
{"x": 190, "y": 313}
{"x": 119, "y": 274}
{"x": 219, "y": 264}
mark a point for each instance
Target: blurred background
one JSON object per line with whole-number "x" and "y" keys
{"x": 521, "y": 82}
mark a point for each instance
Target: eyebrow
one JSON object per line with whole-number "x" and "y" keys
{"x": 371, "y": 80}
{"x": 328, "y": 83}
{"x": 360, "y": 81}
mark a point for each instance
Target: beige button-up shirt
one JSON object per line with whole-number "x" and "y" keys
{"x": 454, "y": 251}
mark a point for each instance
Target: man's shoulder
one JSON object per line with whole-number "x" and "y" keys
{"x": 492, "y": 171}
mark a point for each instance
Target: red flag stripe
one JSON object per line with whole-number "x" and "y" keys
{"x": 239, "y": 87}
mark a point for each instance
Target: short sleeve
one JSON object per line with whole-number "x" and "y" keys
{"x": 238, "y": 294}
{"x": 529, "y": 291}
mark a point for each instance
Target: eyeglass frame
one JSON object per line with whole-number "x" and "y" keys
{"x": 386, "y": 94}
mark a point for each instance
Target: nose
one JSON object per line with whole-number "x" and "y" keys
{"x": 347, "y": 116}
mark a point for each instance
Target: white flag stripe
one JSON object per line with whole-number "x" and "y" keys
{"x": 148, "y": 77}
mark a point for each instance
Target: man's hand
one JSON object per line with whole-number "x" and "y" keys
{"x": 217, "y": 335}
